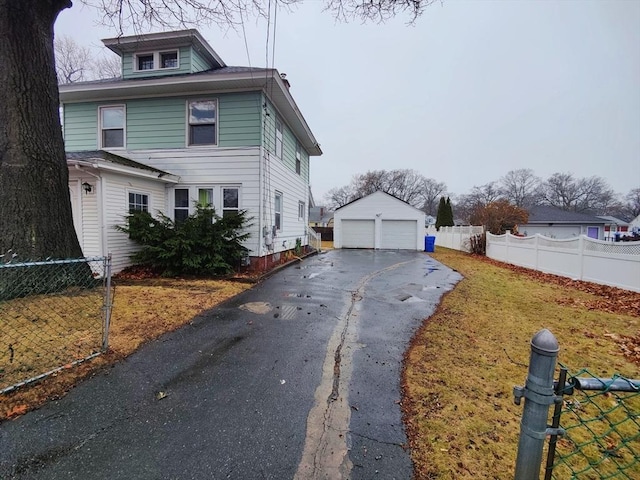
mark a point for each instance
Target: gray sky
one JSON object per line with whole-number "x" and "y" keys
{"x": 472, "y": 90}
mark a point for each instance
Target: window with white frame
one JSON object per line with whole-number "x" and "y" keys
{"x": 301, "y": 210}
{"x": 112, "y": 122}
{"x": 298, "y": 159}
{"x": 205, "y": 197}
{"x": 169, "y": 59}
{"x": 156, "y": 61}
{"x": 278, "y": 138}
{"x": 138, "y": 202}
{"x": 230, "y": 201}
{"x": 202, "y": 122}
{"x": 181, "y": 204}
{"x": 145, "y": 61}
{"x": 278, "y": 210}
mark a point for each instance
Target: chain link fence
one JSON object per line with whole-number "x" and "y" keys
{"x": 595, "y": 423}
{"x": 600, "y": 419}
{"x": 53, "y": 314}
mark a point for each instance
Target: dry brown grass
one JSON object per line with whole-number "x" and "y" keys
{"x": 463, "y": 363}
{"x": 142, "y": 311}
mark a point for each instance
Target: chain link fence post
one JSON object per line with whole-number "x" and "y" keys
{"x": 539, "y": 396}
{"x": 107, "y": 304}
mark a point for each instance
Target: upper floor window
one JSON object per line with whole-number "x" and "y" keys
{"x": 298, "y": 159}
{"x": 202, "y": 122}
{"x": 156, "y": 60}
{"x": 145, "y": 62}
{"x": 278, "y": 138}
{"x": 169, "y": 59}
{"x": 112, "y": 122}
{"x": 230, "y": 201}
{"x": 138, "y": 202}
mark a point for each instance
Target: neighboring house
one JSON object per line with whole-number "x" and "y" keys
{"x": 556, "y": 223}
{"x": 634, "y": 225}
{"x": 320, "y": 217}
{"x": 615, "y": 228}
{"x": 180, "y": 128}
{"x": 379, "y": 221}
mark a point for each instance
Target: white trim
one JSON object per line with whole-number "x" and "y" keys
{"x": 100, "y": 164}
{"x": 188, "y": 123}
{"x": 129, "y": 191}
{"x": 101, "y": 108}
{"x": 157, "y": 60}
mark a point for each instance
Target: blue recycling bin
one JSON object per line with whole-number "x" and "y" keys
{"x": 429, "y": 244}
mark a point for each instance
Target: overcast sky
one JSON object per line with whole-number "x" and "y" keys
{"x": 471, "y": 91}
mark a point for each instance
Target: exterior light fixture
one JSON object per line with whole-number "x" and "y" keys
{"x": 87, "y": 187}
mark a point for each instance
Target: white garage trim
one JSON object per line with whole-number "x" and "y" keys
{"x": 358, "y": 233}
{"x": 399, "y": 234}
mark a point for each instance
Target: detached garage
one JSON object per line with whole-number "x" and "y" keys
{"x": 379, "y": 221}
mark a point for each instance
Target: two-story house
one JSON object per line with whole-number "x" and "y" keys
{"x": 181, "y": 127}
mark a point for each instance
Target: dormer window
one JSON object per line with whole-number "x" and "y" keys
{"x": 169, "y": 59}
{"x": 145, "y": 62}
{"x": 156, "y": 60}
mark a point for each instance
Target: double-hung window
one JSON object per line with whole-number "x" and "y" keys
{"x": 298, "y": 159}
{"x": 278, "y": 210}
{"x": 301, "y": 210}
{"x": 138, "y": 202}
{"x": 278, "y": 138}
{"x": 202, "y": 122}
{"x": 181, "y": 204}
{"x": 230, "y": 201}
{"x": 112, "y": 121}
{"x": 205, "y": 197}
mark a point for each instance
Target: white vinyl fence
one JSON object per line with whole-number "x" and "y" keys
{"x": 456, "y": 238}
{"x": 581, "y": 258}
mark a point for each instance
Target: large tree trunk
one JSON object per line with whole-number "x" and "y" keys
{"x": 35, "y": 209}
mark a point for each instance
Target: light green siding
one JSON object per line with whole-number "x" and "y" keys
{"x": 239, "y": 119}
{"x": 81, "y": 126}
{"x": 161, "y": 122}
{"x": 289, "y": 143}
{"x": 156, "y": 123}
{"x": 129, "y": 71}
{"x": 198, "y": 64}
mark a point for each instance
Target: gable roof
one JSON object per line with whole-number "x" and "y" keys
{"x": 379, "y": 192}
{"x": 545, "y": 214}
{"x": 103, "y": 160}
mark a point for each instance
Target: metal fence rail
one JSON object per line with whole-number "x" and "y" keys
{"x": 595, "y": 428}
{"x": 52, "y": 314}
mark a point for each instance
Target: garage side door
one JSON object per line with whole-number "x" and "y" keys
{"x": 399, "y": 234}
{"x": 358, "y": 233}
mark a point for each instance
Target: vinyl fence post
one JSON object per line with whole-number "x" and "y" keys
{"x": 539, "y": 396}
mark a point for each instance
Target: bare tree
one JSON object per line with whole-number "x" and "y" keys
{"x": 431, "y": 192}
{"x": 35, "y": 208}
{"x": 520, "y": 187}
{"x": 563, "y": 190}
{"x": 107, "y": 66}
{"x": 339, "y": 196}
{"x": 632, "y": 205}
{"x": 73, "y": 61}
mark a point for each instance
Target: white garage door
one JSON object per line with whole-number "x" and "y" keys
{"x": 358, "y": 233}
{"x": 399, "y": 234}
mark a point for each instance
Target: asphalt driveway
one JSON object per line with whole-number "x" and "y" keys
{"x": 295, "y": 378}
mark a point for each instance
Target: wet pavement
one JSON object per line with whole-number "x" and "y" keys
{"x": 296, "y": 378}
